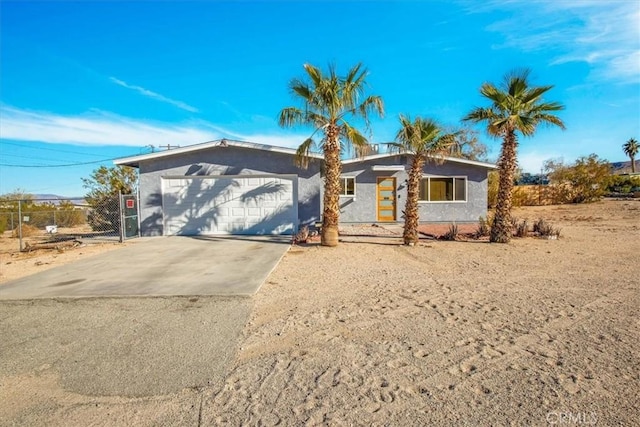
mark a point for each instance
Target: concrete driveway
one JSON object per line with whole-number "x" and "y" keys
{"x": 161, "y": 266}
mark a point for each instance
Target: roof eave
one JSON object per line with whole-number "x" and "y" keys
{"x": 448, "y": 159}
{"x": 134, "y": 161}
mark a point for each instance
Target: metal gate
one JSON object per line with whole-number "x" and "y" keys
{"x": 129, "y": 224}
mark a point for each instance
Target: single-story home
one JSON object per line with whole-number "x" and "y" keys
{"x": 234, "y": 187}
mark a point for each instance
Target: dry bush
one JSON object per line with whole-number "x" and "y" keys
{"x": 27, "y": 231}
{"x": 521, "y": 228}
{"x": 545, "y": 229}
{"x": 484, "y": 228}
{"x": 452, "y": 234}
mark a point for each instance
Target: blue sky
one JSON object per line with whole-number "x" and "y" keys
{"x": 84, "y": 82}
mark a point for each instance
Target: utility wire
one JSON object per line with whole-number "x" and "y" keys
{"x": 58, "y": 166}
{"x": 47, "y": 149}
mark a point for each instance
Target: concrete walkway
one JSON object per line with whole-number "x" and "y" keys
{"x": 161, "y": 266}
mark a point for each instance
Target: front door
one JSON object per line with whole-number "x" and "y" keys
{"x": 386, "y": 198}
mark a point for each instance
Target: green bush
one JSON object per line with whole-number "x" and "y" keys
{"x": 624, "y": 184}
{"x": 4, "y": 220}
{"x": 586, "y": 180}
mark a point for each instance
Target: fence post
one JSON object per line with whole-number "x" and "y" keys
{"x": 20, "y": 223}
{"x": 121, "y": 213}
{"x": 138, "y": 210}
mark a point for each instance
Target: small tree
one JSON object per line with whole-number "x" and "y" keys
{"x": 105, "y": 185}
{"x": 586, "y": 180}
{"x": 467, "y": 145}
{"x": 631, "y": 149}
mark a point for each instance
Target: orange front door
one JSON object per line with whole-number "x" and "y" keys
{"x": 386, "y": 198}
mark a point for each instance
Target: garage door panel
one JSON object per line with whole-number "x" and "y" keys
{"x": 229, "y": 205}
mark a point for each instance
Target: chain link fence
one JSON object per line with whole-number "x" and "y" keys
{"x": 47, "y": 223}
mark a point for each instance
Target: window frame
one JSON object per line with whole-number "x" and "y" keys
{"x": 453, "y": 177}
{"x": 343, "y": 179}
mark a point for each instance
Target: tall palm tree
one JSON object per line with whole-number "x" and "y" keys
{"x": 328, "y": 101}
{"x": 516, "y": 106}
{"x": 424, "y": 139}
{"x": 631, "y": 149}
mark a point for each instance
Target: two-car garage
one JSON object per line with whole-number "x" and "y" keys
{"x": 223, "y": 204}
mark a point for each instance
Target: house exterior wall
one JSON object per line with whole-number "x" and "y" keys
{"x": 363, "y": 209}
{"x": 223, "y": 161}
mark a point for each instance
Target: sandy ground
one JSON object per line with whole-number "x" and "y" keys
{"x": 15, "y": 264}
{"x": 537, "y": 332}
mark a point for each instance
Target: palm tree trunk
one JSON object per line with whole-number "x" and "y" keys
{"x": 331, "y": 200}
{"x": 411, "y": 217}
{"x": 501, "y": 229}
{"x": 633, "y": 164}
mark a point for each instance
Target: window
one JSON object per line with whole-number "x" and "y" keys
{"x": 347, "y": 186}
{"x": 441, "y": 189}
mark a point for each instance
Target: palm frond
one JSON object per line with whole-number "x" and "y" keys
{"x": 353, "y": 136}
{"x": 492, "y": 93}
{"x": 548, "y": 106}
{"x": 291, "y": 116}
{"x": 303, "y": 153}
{"x": 372, "y": 104}
{"x": 314, "y": 73}
{"x": 535, "y": 93}
{"x": 550, "y": 119}
{"x": 423, "y": 137}
{"x": 515, "y": 106}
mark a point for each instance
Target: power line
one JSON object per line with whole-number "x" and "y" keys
{"x": 59, "y": 166}
{"x": 24, "y": 157}
{"x": 47, "y": 149}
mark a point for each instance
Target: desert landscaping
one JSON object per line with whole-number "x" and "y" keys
{"x": 534, "y": 332}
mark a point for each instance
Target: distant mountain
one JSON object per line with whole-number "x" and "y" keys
{"x": 56, "y": 199}
{"x": 624, "y": 167}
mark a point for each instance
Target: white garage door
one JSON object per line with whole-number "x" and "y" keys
{"x": 229, "y": 205}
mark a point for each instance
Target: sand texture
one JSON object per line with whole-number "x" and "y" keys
{"x": 374, "y": 333}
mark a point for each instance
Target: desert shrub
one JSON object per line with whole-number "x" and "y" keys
{"x": 514, "y": 222}
{"x": 521, "y": 228}
{"x": 586, "y": 180}
{"x": 68, "y": 215}
{"x": 452, "y": 233}
{"x": 3, "y": 223}
{"x": 520, "y": 197}
{"x": 545, "y": 229}
{"x": 39, "y": 215}
{"x": 27, "y": 231}
{"x": 483, "y": 229}
{"x": 624, "y": 184}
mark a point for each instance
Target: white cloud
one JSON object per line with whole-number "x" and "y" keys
{"x": 532, "y": 161}
{"x": 603, "y": 33}
{"x": 154, "y": 95}
{"x": 104, "y": 128}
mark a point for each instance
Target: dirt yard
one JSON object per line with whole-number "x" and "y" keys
{"x": 374, "y": 333}
{"x": 15, "y": 264}
{"x": 536, "y": 332}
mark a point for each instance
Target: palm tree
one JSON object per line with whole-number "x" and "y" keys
{"x": 515, "y": 107}
{"x": 424, "y": 139}
{"x": 328, "y": 100}
{"x": 631, "y": 149}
